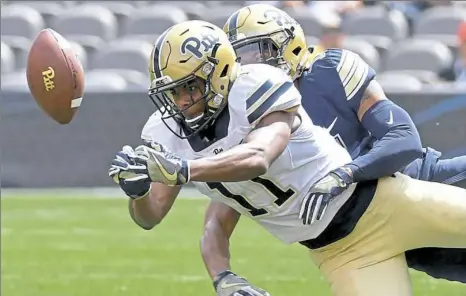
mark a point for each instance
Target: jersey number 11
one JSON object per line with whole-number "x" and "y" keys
{"x": 281, "y": 196}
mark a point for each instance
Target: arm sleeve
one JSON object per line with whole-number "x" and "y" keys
{"x": 398, "y": 142}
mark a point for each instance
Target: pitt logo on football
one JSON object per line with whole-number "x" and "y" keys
{"x": 194, "y": 44}
{"x": 48, "y": 75}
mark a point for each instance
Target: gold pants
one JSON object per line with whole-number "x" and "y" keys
{"x": 404, "y": 214}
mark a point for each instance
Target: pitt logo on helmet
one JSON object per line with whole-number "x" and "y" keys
{"x": 194, "y": 44}
{"x": 281, "y": 18}
{"x": 48, "y": 75}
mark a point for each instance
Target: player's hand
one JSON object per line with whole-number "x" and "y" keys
{"x": 130, "y": 173}
{"x": 322, "y": 193}
{"x": 228, "y": 283}
{"x": 162, "y": 165}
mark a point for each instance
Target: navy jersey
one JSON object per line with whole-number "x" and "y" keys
{"x": 332, "y": 90}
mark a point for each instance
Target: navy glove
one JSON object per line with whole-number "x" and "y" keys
{"x": 313, "y": 207}
{"x": 130, "y": 172}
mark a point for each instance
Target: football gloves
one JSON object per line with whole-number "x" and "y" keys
{"x": 228, "y": 283}
{"x": 134, "y": 170}
{"x": 128, "y": 170}
{"x": 164, "y": 166}
{"x": 314, "y": 205}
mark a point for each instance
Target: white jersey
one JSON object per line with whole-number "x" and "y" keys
{"x": 273, "y": 199}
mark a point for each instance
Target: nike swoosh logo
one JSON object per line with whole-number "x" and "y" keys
{"x": 172, "y": 177}
{"x": 226, "y": 286}
{"x": 330, "y": 127}
{"x": 390, "y": 120}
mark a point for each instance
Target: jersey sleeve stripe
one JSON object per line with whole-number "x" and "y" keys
{"x": 353, "y": 72}
{"x": 258, "y": 93}
{"x": 342, "y": 60}
{"x": 267, "y": 101}
{"x": 345, "y": 67}
{"x": 362, "y": 72}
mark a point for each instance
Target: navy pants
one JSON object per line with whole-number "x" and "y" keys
{"x": 449, "y": 264}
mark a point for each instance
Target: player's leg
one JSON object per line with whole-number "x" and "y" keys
{"x": 421, "y": 214}
{"x": 445, "y": 263}
{"x": 404, "y": 214}
{"x": 441, "y": 263}
{"x": 386, "y": 278}
{"x": 364, "y": 262}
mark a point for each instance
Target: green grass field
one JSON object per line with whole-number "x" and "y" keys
{"x": 87, "y": 246}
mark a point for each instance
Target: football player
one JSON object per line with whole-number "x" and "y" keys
{"x": 240, "y": 135}
{"x": 340, "y": 92}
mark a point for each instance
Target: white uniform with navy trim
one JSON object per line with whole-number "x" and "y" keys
{"x": 273, "y": 199}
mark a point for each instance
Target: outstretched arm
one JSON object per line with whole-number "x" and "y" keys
{"x": 220, "y": 222}
{"x": 148, "y": 202}
{"x": 250, "y": 159}
{"x": 149, "y": 210}
{"x": 398, "y": 142}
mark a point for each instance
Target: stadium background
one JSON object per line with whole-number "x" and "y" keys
{"x": 72, "y": 237}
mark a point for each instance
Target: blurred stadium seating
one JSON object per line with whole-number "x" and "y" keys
{"x": 113, "y": 38}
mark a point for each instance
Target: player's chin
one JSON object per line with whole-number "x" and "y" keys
{"x": 192, "y": 116}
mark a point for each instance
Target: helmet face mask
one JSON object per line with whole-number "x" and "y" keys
{"x": 166, "y": 95}
{"x": 192, "y": 66}
{"x": 265, "y": 24}
{"x": 263, "y": 49}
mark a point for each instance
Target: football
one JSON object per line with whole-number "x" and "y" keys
{"x": 55, "y": 76}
